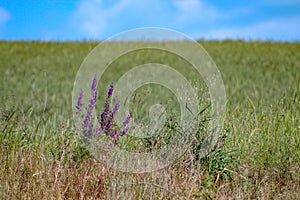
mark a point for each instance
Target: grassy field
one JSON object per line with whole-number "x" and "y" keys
{"x": 257, "y": 157}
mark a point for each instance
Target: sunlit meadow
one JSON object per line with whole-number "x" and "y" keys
{"x": 257, "y": 155}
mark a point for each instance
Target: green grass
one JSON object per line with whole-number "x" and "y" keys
{"x": 257, "y": 157}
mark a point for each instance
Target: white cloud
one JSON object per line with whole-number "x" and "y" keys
{"x": 188, "y": 5}
{"x": 96, "y": 19}
{"x": 279, "y": 29}
{"x": 92, "y": 18}
{"x": 4, "y": 16}
{"x": 195, "y": 10}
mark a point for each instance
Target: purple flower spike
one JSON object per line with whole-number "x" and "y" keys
{"x": 113, "y": 134}
{"x": 125, "y": 123}
{"x": 110, "y": 91}
{"x": 107, "y": 127}
{"x": 79, "y": 102}
{"x": 107, "y": 123}
{"x": 95, "y": 94}
{"x": 104, "y": 114}
{"x": 87, "y": 120}
{"x": 93, "y": 100}
{"x": 127, "y": 120}
{"x": 124, "y": 131}
{"x": 115, "y": 110}
{"x": 87, "y": 124}
{"x": 94, "y": 85}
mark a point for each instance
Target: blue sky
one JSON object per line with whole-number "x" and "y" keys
{"x": 62, "y": 20}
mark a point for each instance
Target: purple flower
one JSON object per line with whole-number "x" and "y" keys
{"x": 124, "y": 131}
{"x": 107, "y": 127}
{"x": 115, "y": 110}
{"x": 93, "y": 100}
{"x": 110, "y": 123}
{"x": 104, "y": 114}
{"x": 87, "y": 120}
{"x": 87, "y": 124}
{"x": 107, "y": 124}
{"x": 94, "y": 85}
{"x": 127, "y": 120}
{"x": 110, "y": 91}
{"x": 125, "y": 123}
{"x": 95, "y": 94}
{"x": 113, "y": 134}
{"x": 79, "y": 102}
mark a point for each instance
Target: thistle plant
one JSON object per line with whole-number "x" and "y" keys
{"x": 106, "y": 119}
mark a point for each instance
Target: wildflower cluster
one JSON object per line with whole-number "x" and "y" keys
{"x": 107, "y": 125}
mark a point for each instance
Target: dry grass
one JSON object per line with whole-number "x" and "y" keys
{"x": 27, "y": 175}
